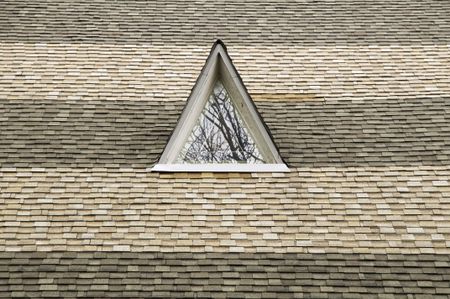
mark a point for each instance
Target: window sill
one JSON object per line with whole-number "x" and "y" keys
{"x": 220, "y": 168}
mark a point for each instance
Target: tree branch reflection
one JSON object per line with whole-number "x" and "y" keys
{"x": 219, "y": 135}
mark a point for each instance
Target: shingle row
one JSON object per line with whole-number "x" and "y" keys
{"x": 390, "y": 210}
{"x": 49, "y": 133}
{"x": 136, "y": 72}
{"x": 374, "y": 133}
{"x": 96, "y": 133}
{"x": 223, "y": 275}
{"x": 187, "y": 22}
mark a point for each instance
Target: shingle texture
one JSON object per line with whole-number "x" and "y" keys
{"x": 95, "y": 133}
{"x": 392, "y": 210}
{"x": 269, "y": 22}
{"x": 355, "y": 93}
{"x": 229, "y": 275}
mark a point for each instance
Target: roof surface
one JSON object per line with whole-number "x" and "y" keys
{"x": 356, "y": 95}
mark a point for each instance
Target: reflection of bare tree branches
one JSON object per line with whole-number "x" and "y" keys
{"x": 220, "y": 136}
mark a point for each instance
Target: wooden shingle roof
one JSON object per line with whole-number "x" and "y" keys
{"x": 356, "y": 95}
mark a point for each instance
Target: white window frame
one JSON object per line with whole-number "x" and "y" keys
{"x": 219, "y": 66}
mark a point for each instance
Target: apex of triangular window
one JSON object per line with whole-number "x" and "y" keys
{"x": 220, "y": 129}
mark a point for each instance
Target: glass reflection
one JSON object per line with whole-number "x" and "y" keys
{"x": 219, "y": 135}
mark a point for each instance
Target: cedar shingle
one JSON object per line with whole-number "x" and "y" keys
{"x": 355, "y": 94}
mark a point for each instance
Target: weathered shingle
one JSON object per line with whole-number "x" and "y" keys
{"x": 185, "y": 22}
{"x": 48, "y": 133}
{"x": 223, "y": 275}
{"x": 106, "y": 133}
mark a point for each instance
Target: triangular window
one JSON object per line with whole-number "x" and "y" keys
{"x": 220, "y": 128}
{"x": 220, "y": 135}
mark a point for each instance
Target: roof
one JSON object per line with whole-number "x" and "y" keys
{"x": 356, "y": 95}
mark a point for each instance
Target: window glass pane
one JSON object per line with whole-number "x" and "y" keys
{"x": 219, "y": 135}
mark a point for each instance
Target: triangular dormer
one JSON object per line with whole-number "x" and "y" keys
{"x": 220, "y": 129}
